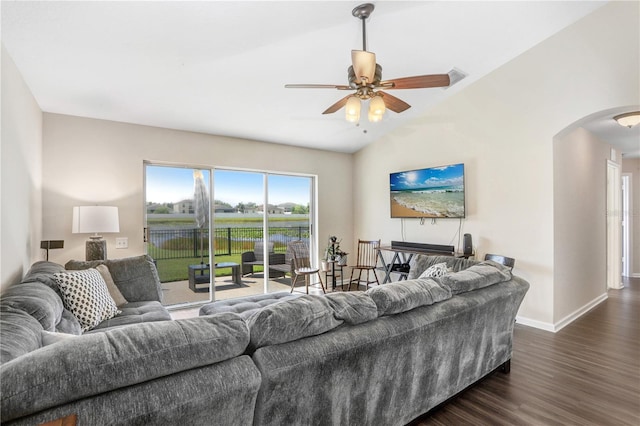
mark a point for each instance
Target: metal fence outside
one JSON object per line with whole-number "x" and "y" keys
{"x": 179, "y": 243}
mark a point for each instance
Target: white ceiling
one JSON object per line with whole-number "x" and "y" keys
{"x": 220, "y": 67}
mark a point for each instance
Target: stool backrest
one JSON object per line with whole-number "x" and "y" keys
{"x": 298, "y": 253}
{"x": 368, "y": 253}
{"x": 506, "y": 261}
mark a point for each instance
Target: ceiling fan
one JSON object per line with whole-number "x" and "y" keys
{"x": 365, "y": 77}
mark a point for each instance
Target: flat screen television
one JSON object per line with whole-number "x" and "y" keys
{"x": 434, "y": 192}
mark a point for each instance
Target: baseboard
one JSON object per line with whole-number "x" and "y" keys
{"x": 564, "y": 321}
{"x": 534, "y": 323}
{"x": 635, "y": 275}
{"x": 579, "y": 312}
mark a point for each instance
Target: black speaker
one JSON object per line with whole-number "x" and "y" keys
{"x": 468, "y": 245}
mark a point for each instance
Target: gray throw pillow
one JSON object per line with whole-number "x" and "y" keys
{"x": 114, "y": 291}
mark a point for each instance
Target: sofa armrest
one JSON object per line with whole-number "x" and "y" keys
{"x": 92, "y": 364}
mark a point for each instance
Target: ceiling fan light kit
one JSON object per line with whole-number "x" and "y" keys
{"x": 352, "y": 109}
{"x": 365, "y": 77}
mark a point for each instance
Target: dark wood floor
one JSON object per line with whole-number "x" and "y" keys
{"x": 588, "y": 373}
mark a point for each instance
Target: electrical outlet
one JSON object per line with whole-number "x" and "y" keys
{"x": 122, "y": 243}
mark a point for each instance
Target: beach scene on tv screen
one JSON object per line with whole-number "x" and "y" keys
{"x": 432, "y": 192}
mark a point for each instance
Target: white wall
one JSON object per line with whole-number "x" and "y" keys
{"x": 632, "y": 166}
{"x": 502, "y": 127}
{"x": 21, "y": 176}
{"x": 580, "y": 222}
{"x": 92, "y": 161}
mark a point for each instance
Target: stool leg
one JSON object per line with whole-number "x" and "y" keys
{"x": 350, "y": 280}
{"x": 321, "y": 285}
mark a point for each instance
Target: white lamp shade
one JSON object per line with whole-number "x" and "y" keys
{"x": 376, "y": 109}
{"x": 352, "y": 109}
{"x": 374, "y": 118}
{"x": 94, "y": 219}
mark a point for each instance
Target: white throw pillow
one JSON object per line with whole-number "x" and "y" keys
{"x": 437, "y": 270}
{"x": 85, "y": 294}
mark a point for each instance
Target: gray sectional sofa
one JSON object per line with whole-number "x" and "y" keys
{"x": 383, "y": 357}
{"x": 138, "y": 368}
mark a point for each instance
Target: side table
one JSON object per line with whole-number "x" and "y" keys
{"x": 199, "y": 274}
{"x": 334, "y": 271}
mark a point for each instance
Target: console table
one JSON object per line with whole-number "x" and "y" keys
{"x": 404, "y": 256}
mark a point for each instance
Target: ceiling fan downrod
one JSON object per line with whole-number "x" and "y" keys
{"x": 362, "y": 12}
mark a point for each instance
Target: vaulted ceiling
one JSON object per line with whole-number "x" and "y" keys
{"x": 220, "y": 67}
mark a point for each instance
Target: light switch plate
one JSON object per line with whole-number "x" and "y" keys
{"x": 122, "y": 243}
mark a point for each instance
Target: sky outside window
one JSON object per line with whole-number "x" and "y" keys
{"x": 173, "y": 184}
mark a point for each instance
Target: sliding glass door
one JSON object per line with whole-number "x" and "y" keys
{"x": 288, "y": 219}
{"x": 255, "y": 215}
{"x": 177, "y": 231}
{"x": 223, "y": 234}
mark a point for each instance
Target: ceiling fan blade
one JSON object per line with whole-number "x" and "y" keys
{"x": 417, "y": 82}
{"x": 317, "y": 86}
{"x": 393, "y": 103}
{"x": 364, "y": 65}
{"x": 333, "y": 108}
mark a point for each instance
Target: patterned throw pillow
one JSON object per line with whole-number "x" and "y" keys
{"x": 85, "y": 294}
{"x": 437, "y": 270}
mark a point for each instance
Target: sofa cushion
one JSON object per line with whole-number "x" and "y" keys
{"x": 42, "y": 271}
{"x": 136, "y": 277}
{"x": 477, "y": 276}
{"x": 246, "y": 306}
{"x": 19, "y": 333}
{"x": 37, "y": 300}
{"x": 86, "y": 295}
{"x": 135, "y": 313}
{"x": 352, "y": 308}
{"x": 114, "y": 291}
{"x": 307, "y": 315}
{"x": 402, "y": 296}
{"x": 96, "y": 363}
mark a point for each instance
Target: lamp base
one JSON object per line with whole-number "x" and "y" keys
{"x": 96, "y": 249}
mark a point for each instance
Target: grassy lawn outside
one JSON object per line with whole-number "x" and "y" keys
{"x": 176, "y": 252}
{"x": 177, "y": 269}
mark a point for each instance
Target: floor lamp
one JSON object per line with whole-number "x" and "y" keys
{"x": 50, "y": 245}
{"x": 93, "y": 220}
